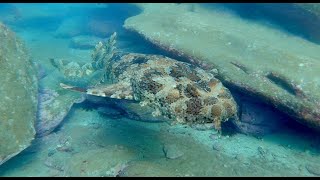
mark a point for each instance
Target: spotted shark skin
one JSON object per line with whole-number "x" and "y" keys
{"x": 175, "y": 90}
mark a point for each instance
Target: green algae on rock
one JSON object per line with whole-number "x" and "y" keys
{"x": 281, "y": 69}
{"x": 19, "y": 91}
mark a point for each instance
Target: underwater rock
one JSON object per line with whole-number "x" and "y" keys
{"x": 277, "y": 68}
{"x": 171, "y": 151}
{"x": 84, "y": 42}
{"x": 19, "y": 91}
{"x": 258, "y": 119}
{"x": 53, "y": 106}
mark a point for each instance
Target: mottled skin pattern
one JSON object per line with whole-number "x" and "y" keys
{"x": 176, "y": 90}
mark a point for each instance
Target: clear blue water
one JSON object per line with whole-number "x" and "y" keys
{"x": 100, "y": 139}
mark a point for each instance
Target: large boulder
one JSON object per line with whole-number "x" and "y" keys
{"x": 19, "y": 95}
{"x": 54, "y": 104}
{"x": 274, "y": 66}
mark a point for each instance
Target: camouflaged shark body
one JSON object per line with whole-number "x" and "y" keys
{"x": 172, "y": 89}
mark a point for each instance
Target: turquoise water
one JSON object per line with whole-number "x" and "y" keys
{"x": 104, "y": 136}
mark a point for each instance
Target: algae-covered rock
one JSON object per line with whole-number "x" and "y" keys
{"x": 19, "y": 91}
{"x": 280, "y": 69}
{"x": 54, "y": 104}
{"x": 258, "y": 119}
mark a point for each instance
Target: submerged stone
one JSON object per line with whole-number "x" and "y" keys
{"x": 19, "y": 95}
{"x": 258, "y": 119}
{"x": 278, "y": 68}
{"x": 54, "y": 105}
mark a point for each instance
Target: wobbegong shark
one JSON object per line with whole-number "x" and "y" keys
{"x": 167, "y": 88}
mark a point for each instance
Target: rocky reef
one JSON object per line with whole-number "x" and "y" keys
{"x": 19, "y": 91}
{"x": 53, "y": 108}
{"x": 283, "y": 74}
